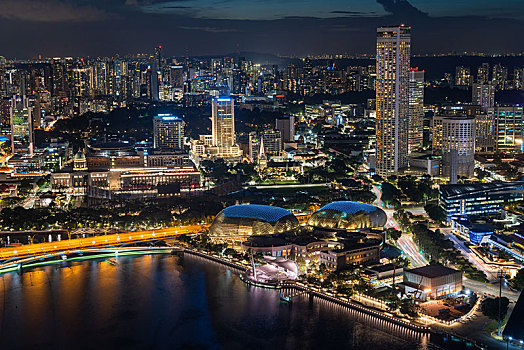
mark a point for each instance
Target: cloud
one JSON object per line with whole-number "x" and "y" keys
{"x": 210, "y": 29}
{"x": 400, "y": 8}
{"x": 50, "y": 11}
{"x": 348, "y": 12}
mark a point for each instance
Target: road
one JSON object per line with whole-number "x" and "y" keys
{"x": 378, "y": 202}
{"x": 468, "y": 254}
{"x": 97, "y": 241}
{"x": 405, "y": 242}
{"x": 490, "y": 289}
{"x": 409, "y": 248}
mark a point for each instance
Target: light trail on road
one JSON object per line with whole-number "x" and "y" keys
{"x": 409, "y": 247}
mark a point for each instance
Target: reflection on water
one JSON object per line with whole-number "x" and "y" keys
{"x": 169, "y": 302}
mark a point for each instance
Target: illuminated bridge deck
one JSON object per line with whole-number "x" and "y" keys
{"x": 97, "y": 241}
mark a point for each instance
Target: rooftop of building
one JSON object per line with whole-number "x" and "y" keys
{"x": 349, "y": 207}
{"x": 256, "y": 211}
{"x": 168, "y": 118}
{"x": 433, "y": 271}
{"x": 101, "y": 146}
{"x": 474, "y": 225}
{"x": 384, "y": 268}
{"x": 462, "y": 189}
{"x": 354, "y": 245}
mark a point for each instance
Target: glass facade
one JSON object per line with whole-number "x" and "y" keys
{"x": 478, "y": 199}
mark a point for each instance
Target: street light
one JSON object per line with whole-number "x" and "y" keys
{"x": 500, "y": 275}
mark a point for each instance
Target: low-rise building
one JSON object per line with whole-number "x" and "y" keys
{"x": 383, "y": 275}
{"x": 474, "y": 231}
{"x": 432, "y": 281}
{"x": 353, "y": 254}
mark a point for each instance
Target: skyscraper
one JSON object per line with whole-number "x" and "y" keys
{"x": 483, "y": 95}
{"x": 462, "y": 76}
{"x": 392, "y": 83}
{"x": 483, "y": 73}
{"x": 223, "y": 126}
{"x": 21, "y": 126}
{"x": 168, "y": 132}
{"x": 454, "y": 138}
{"x": 286, "y": 125}
{"x": 5, "y": 116}
{"x": 416, "y": 109}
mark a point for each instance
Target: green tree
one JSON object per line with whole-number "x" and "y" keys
{"x": 518, "y": 281}
{"x": 408, "y": 307}
{"x": 393, "y": 233}
{"x": 435, "y": 212}
{"x": 490, "y": 308}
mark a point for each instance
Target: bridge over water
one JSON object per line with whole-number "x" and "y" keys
{"x": 97, "y": 241}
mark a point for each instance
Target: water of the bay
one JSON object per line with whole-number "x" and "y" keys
{"x": 174, "y": 302}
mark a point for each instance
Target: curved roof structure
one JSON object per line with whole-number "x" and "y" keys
{"x": 348, "y": 215}
{"x": 79, "y": 156}
{"x": 238, "y": 222}
{"x": 256, "y": 211}
{"x": 350, "y": 207}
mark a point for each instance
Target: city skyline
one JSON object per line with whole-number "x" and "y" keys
{"x": 154, "y": 197}
{"x": 104, "y": 28}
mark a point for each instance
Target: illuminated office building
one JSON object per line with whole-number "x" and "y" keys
{"x": 416, "y": 109}
{"x": 223, "y": 128}
{"x": 478, "y": 198}
{"x": 483, "y": 73}
{"x": 22, "y": 139}
{"x": 392, "y": 100}
{"x": 454, "y": 138}
{"x": 168, "y": 132}
{"x": 509, "y": 128}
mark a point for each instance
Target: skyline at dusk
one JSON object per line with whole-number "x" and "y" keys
{"x": 198, "y": 27}
{"x": 264, "y": 174}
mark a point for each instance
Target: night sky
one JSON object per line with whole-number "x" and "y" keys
{"x": 285, "y": 27}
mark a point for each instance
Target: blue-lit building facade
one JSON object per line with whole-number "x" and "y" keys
{"x": 471, "y": 230}
{"x": 478, "y": 199}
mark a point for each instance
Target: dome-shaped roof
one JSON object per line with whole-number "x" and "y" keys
{"x": 256, "y": 211}
{"x": 241, "y": 221}
{"x": 79, "y": 156}
{"x": 348, "y": 215}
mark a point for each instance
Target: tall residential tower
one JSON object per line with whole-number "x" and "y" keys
{"x": 416, "y": 109}
{"x": 392, "y": 85}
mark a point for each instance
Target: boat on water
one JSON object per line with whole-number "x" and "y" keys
{"x": 111, "y": 261}
{"x": 285, "y": 298}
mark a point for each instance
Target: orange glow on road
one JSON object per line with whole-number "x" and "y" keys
{"x": 98, "y": 241}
